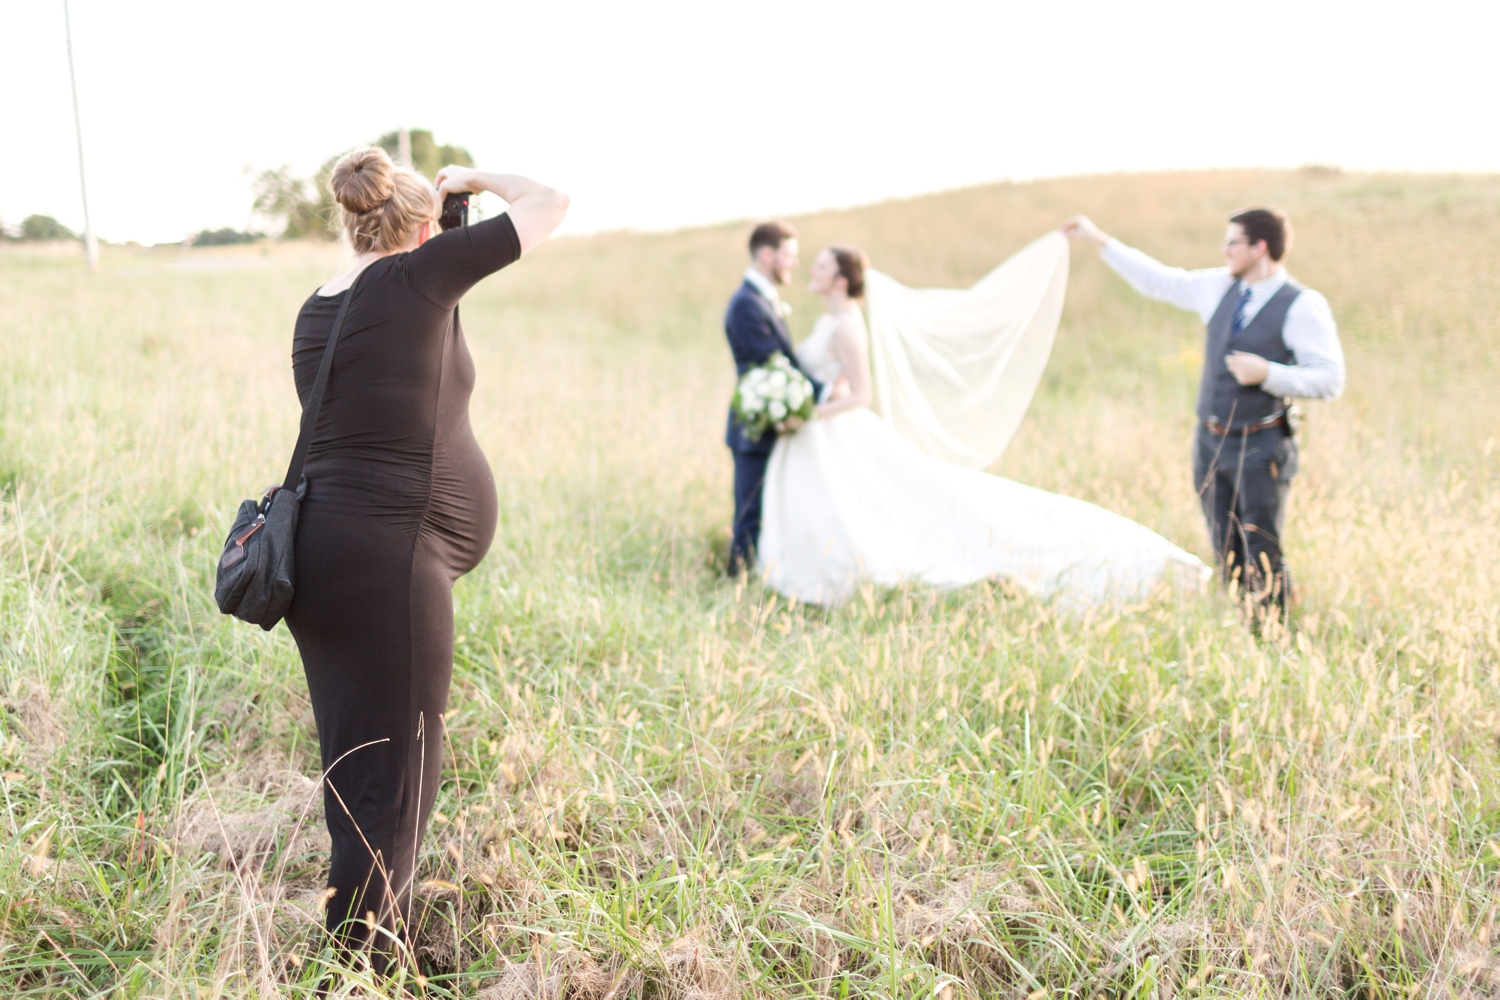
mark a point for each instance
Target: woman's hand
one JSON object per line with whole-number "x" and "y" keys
{"x": 454, "y": 179}
{"x": 790, "y": 424}
{"x": 534, "y": 209}
{"x": 839, "y": 390}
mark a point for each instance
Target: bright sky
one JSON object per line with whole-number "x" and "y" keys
{"x": 660, "y": 114}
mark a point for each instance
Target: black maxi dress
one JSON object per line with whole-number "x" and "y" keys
{"x": 400, "y": 504}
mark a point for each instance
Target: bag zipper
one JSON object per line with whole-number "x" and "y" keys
{"x": 260, "y": 522}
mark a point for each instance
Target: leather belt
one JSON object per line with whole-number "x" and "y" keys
{"x": 1219, "y": 430}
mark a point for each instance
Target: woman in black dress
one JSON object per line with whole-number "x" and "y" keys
{"x": 400, "y": 504}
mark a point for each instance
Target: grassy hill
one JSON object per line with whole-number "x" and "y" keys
{"x": 663, "y": 784}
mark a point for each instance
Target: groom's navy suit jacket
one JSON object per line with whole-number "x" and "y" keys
{"x": 756, "y": 331}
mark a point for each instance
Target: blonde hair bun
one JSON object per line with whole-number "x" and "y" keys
{"x": 363, "y": 180}
{"x": 383, "y": 205}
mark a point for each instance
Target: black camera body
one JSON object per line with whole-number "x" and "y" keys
{"x": 455, "y": 211}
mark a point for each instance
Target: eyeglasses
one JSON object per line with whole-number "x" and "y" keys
{"x": 1236, "y": 242}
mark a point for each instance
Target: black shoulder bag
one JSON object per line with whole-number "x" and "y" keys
{"x": 257, "y": 569}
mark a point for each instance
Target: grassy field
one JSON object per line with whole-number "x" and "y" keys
{"x": 662, "y": 784}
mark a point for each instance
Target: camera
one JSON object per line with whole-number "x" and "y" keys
{"x": 455, "y": 211}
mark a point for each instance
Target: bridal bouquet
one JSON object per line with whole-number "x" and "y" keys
{"x": 773, "y": 395}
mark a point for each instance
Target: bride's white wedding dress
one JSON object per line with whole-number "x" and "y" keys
{"x": 848, "y": 499}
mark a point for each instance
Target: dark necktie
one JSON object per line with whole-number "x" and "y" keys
{"x": 1239, "y": 311}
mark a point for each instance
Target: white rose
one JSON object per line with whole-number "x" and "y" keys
{"x": 778, "y": 411}
{"x": 777, "y": 381}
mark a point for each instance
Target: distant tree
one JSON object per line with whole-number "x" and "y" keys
{"x": 427, "y": 157}
{"x": 223, "y": 237}
{"x": 327, "y": 209}
{"x": 304, "y": 207}
{"x": 45, "y": 227}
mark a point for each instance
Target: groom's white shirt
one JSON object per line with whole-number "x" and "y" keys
{"x": 1310, "y": 332}
{"x": 767, "y": 289}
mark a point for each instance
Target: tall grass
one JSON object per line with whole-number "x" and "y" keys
{"x": 664, "y": 784}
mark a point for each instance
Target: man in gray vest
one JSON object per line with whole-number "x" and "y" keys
{"x": 1269, "y": 340}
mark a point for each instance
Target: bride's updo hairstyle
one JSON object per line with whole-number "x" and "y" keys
{"x": 383, "y": 204}
{"x": 852, "y": 263}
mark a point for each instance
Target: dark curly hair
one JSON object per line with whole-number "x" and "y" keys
{"x": 1268, "y": 224}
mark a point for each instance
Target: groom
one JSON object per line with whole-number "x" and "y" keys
{"x": 1268, "y": 340}
{"x": 756, "y": 327}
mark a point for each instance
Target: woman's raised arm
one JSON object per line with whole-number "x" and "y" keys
{"x": 534, "y": 208}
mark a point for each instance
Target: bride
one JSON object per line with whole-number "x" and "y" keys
{"x": 901, "y": 497}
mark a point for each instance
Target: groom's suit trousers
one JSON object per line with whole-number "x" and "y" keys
{"x": 749, "y": 482}
{"x": 1243, "y": 481}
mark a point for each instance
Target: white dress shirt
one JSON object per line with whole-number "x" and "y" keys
{"x": 1310, "y": 332}
{"x": 768, "y": 290}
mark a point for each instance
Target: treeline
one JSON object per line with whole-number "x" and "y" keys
{"x": 37, "y": 227}
{"x": 41, "y": 228}
{"x": 303, "y": 207}
{"x": 294, "y": 206}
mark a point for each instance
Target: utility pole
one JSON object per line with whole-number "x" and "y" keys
{"x": 90, "y": 242}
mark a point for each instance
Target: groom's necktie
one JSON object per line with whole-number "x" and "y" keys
{"x": 1239, "y": 311}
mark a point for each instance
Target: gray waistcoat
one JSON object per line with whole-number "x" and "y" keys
{"x": 1220, "y": 397}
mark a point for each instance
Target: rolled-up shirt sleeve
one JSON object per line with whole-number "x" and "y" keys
{"x": 1313, "y": 337}
{"x": 1197, "y": 290}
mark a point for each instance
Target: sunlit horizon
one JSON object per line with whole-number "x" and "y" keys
{"x": 674, "y": 115}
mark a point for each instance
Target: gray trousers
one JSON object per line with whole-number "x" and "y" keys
{"x": 1242, "y": 482}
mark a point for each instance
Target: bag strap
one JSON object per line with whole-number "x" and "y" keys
{"x": 315, "y": 401}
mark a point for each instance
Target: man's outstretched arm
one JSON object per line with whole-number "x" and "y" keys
{"x": 1199, "y": 291}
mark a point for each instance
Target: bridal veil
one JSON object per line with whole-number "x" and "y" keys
{"x": 955, "y": 369}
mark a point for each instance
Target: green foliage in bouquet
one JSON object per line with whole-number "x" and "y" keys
{"x": 773, "y": 395}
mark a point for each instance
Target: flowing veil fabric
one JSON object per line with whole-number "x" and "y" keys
{"x": 955, "y": 370}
